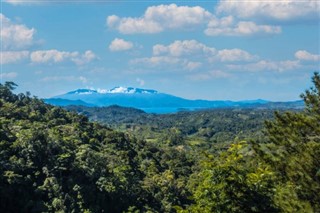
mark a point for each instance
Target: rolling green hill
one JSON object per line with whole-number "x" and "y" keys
{"x": 54, "y": 160}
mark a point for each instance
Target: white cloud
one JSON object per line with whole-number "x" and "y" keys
{"x": 55, "y": 56}
{"x": 112, "y": 21}
{"x": 175, "y": 16}
{"x": 192, "y": 49}
{"x": 183, "y": 48}
{"x": 221, "y": 22}
{"x": 304, "y": 55}
{"x": 226, "y": 55}
{"x": 214, "y": 74}
{"x": 133, "y": 25}
{"x": 120, "y": 45}
{"x": 170, "y": 63}
{"x": 19, "y": 37}
{"x": 159, "y": 18}
{"x": 15, "y": 36}
{"x": 241, "y": 18}
{"x": 264, "y": 65}
{"x": 85, "y": 58}
{"x": 227, "y": 27}
{"x": 155, "y": 61}
{"x": 45, "y": 56}
{"x": 8, "y": 75}
{"x": 191, "y": 65}
{"x": 232, "y": 18}
{"x": 191, "y": 55}
{"x": 8, "y": 57}
{"x": 283, "y": 10}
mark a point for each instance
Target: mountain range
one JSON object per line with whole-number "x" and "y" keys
{"x": 154, "y": 101}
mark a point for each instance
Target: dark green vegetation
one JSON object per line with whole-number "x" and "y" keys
{"x": 52, "y": 160}
{"x": 216, "y": 127}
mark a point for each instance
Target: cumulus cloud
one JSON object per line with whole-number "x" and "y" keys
{"x": 191, "y": 55}
{"x": 85, "y": 58}
{"x": 112, "y": 21}
{"x": 197, "y": 58}
{"x": 8, "y": 57}
{"x": 231, "y": 18}
{"x": 228, "y": 27}
{"x": 44, "y": 56}
{"x": 214, "y": 74}
{"x": 120, "y": 45}
{"x": 183, "y": 48}
{"x": 160, "y": 18}
{"x": 183, "y": 53}
{"x": 226, "y": 55}
{"x": 265, "y": 65}
{"x": 271, "y": 10}
{"x": 191, "y": 65}
{"x": 134, "y": 25}
{"x": 8, "y": 75}
{"x": 168, "y": 62}
{"x": 56, "y": 56}
{"x": 15, "y": 36}
{"x": 304, "y": 55}
{"x": 155, "y": 61}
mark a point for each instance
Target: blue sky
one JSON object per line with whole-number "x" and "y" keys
{"x": 216, "y": 50}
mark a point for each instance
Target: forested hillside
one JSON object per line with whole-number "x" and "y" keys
{"x": 53, "y": 160}
{"x": 212, "y": 127}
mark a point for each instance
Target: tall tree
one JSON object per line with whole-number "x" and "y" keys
{"x": 294, "y": 152}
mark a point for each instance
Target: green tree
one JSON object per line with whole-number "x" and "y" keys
{"x": 279, "y": 174}
{"x": 232, "y": 182}
{"x": 294, "y": 153}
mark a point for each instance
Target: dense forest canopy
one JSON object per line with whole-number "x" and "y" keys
{"x": 54, "y": 160}
{"x": 213, "y": 127}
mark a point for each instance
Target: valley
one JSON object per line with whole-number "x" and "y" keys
{"x": 203, "y": 127}
{"x": 136, "y": 106}
{"x": 122, "y": 159}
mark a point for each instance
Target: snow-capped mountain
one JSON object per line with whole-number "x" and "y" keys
{"x": 125, "y": 96}
{"x": 145, "y": 99}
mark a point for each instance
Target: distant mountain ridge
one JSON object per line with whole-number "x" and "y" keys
{"x": 66, "y": 102}
{"x": 151, "y": 100}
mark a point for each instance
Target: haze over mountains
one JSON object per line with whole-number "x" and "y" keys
{"x": 153, "y": 101}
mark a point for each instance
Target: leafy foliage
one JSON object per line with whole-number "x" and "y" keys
{"x": 215, "y": 127}
{"x": 53, "y": 160}
{"x": 279, "y": 174}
